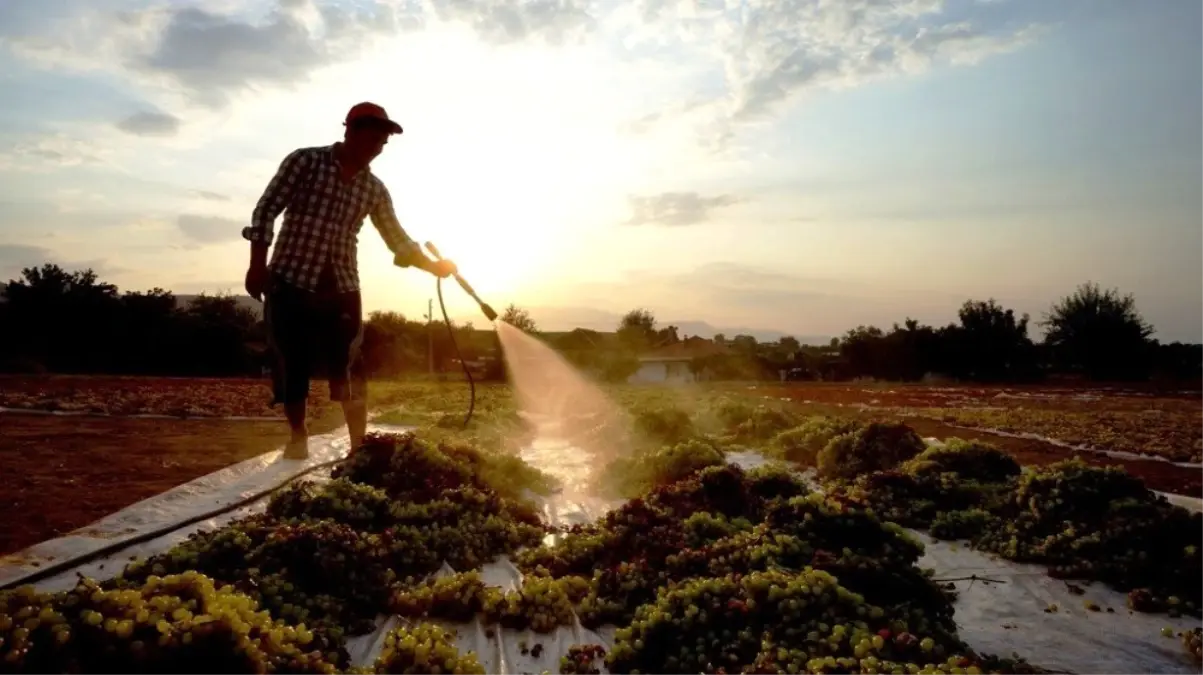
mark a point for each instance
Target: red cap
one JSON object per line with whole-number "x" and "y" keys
{"x": 367, "y": 110}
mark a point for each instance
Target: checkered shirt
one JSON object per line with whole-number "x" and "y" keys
{"x": 323, "y": 218}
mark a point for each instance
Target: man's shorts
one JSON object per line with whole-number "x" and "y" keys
{"x": 314, "y": 331}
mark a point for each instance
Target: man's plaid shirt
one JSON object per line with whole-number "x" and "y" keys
{"x": 323, "y": 218}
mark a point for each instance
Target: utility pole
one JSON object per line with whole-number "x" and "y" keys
{"x": 430, "y": 335}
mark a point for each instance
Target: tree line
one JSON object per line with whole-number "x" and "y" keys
{"x": 72, "y": 322}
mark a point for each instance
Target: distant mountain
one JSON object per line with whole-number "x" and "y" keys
{"x": 563, "y": 319}
{"x": 246, "y": 301}
{"x": 704, "y": 329}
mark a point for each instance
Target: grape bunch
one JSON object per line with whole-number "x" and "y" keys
{"x": 967, "y": 460}
{"x": 1192, "y": 640}
{"x": 966, "y": 524}
{"x": 424, "y": 648}
{"x": 577, "y": 551}
{"x": 457, "y": 597}
{"x": 878, "y": 446}
{"x": 354, "y": 504}
{"x": 581, "y": 659}
{"x": 410, "y": 469}
{"x": 802, "y": 444}
{"x": 778, "y": 621}
{"x": 542, "y": 603}
{"x": 177, "y": 623}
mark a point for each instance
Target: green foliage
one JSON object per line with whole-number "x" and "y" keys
{"x": 1100, "y": 333}
{"x": 519, "y": 318}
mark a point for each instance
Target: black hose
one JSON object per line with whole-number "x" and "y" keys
{"x": 65, "y": 565}
{"x": 438, "y": 283}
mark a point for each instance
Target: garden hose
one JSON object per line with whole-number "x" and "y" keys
{"x": 484, "y": 307}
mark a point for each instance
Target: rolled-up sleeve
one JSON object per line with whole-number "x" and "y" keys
{"x": 276, "y": 197}
{"x": 384, "y": 217}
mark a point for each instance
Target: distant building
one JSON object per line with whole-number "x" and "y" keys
{"x": 674, "y": 364}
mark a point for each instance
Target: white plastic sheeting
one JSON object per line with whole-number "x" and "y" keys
{"x": 993, "y": 617}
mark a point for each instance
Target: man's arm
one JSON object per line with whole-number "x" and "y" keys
{"x": 273, "y": 202}
{"x": 406, "y": 251}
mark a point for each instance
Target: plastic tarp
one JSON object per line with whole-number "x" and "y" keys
{"x": 1005, "y": 617}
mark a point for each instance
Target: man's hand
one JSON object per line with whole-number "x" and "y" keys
{"x": 256, "y": 281}
{"x": 442, "y": 268}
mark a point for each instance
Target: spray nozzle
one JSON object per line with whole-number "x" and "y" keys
{"x": 489, "y": 313}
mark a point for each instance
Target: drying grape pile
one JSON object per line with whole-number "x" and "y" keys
{"x": 1081, "y": 521}
{"x": 714, "y": 569}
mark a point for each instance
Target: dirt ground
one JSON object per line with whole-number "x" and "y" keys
{"x": 60, "y": 473}
{"x": 89, "y": 467}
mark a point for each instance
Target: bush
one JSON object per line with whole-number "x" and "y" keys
{"x": 803, "y": 443}
{"x": 878, "y": 446}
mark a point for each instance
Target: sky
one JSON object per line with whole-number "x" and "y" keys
{"x": 764, "y": 166}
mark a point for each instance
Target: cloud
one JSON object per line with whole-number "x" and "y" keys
{"x": 20, "y": 255}
{"x": 211, "y": 196}
{"x": 212, "y": 56}
{"x": 554, "y": 22}
{"x": 676, "y": 208}
{"x": 50, "y": 152}
{"x": 16, "y": 257}
{"x": 771, "y": 52}
{"x": 209, "y": 229}
{"x": 787, "y": 47}
{"x": 150, "y": 124}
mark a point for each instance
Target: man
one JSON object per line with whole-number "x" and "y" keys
{"x": 310, "y": 291}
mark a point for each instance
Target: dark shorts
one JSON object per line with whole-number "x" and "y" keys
{"x": 314, "y": 333}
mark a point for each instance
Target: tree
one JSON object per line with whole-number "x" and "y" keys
{"x": 519, "y": 318}
{"x": 860, "y": 349}
{"x": 789, "y": 344}
{"x": 61, "y": 320}
{"x": 666, "y": 336}
{"x": 215, "y": 335}
{"x": 1099, "y": 333}
{"x": 637, "y": 329}
{"x": 744, "y": 345}
{"x": 991, "y": 344}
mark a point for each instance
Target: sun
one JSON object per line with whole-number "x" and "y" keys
{"x": 505, "y": 157}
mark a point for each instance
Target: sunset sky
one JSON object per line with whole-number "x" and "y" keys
{"x": 800, "y": 166}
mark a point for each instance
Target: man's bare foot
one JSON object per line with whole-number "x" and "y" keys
{"x": 297, "y": 448}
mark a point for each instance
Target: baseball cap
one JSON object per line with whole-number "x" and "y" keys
{"x": 365, "y": 110}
